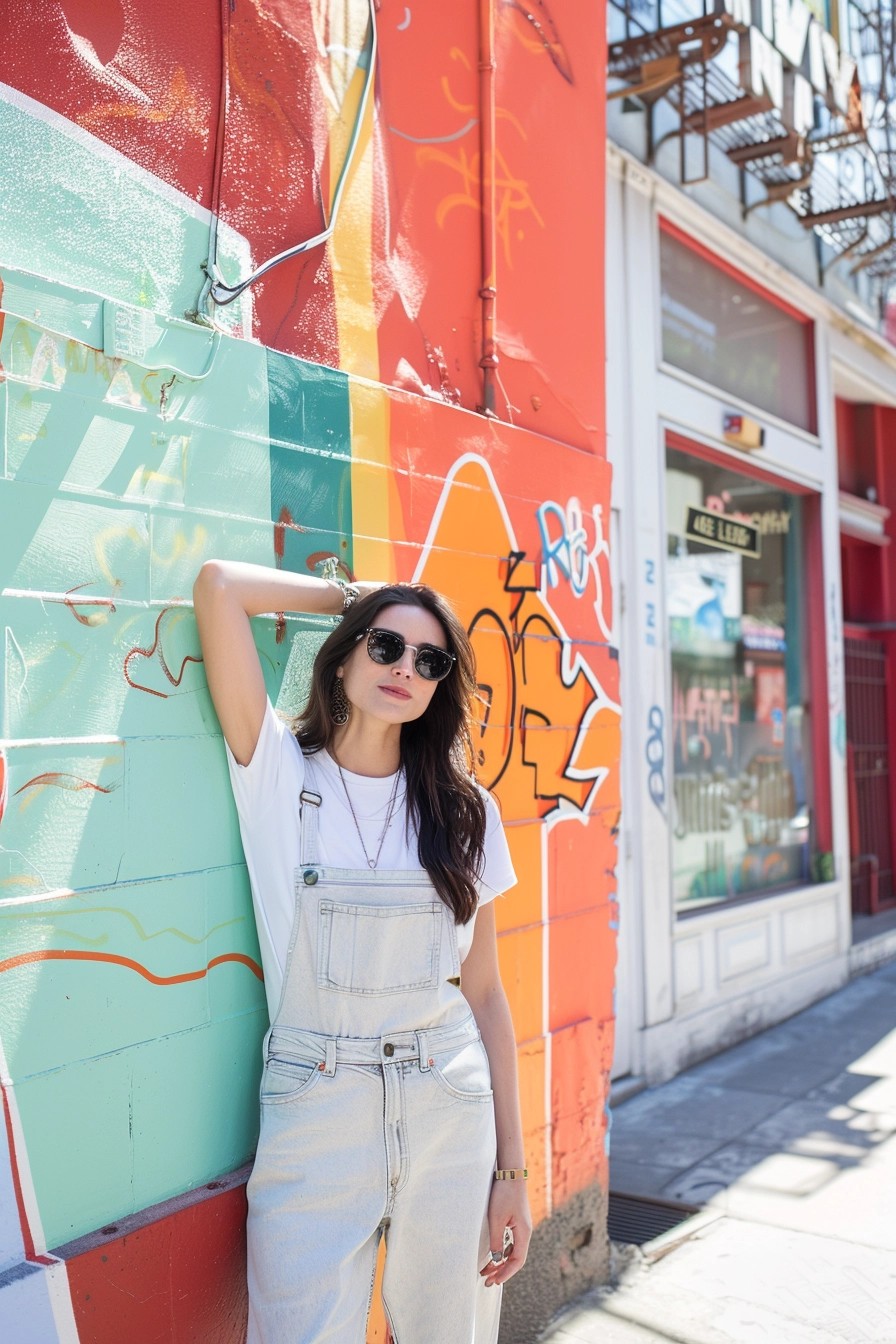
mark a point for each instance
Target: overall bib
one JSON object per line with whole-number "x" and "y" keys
{"x": 376, "y": 1119}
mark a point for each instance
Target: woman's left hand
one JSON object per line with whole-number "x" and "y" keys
{"x": 508, "y": 1208}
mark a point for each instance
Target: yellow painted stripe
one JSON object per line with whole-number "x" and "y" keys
{"x": 351, "y": 247}
{"x": 376, "y": 514}
{"x": 377, "y": 523}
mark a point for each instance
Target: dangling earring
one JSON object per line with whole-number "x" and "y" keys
{"x": 339, "y": 705}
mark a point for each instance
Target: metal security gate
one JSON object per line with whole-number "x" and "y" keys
{"x": 868, "y": 773}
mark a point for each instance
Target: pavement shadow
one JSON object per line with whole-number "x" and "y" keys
{"x": 774, "y": 1120}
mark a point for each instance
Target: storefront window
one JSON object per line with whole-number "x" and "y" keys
{"x": 722, "y": 330}
{"x": 735, "y": 604}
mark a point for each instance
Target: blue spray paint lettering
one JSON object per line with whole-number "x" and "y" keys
{"x": 655, "y": 754}
{"x": 564, "y": 544}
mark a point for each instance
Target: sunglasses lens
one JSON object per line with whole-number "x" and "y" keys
{"x": 385, "y": 647}
{"x": 433, "y": 664}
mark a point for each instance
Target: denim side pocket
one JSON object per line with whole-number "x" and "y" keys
{"x": 284, "y": 1080}
{"x": 465, "y": 1074}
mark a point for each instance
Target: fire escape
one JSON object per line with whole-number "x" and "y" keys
{"x": 838, "y": 176}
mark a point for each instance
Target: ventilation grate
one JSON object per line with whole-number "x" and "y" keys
{"x": 635, "y": 1219}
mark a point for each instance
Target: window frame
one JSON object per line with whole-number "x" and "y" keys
{"x": 806, "y": 322}
{"x": 815, "y": 653}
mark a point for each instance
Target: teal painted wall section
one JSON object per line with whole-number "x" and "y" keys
{"x": 131, "y": 1008}
{"x": 69, "y": 212}
{"x": 310, "y": 428}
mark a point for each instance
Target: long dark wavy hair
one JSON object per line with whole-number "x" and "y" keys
{"x": 443, "y": 800}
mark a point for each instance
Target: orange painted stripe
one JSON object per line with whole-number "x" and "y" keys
{"x": 27, "y": 1239}
{"x": 60, "y": 778}
{"x": 63, "y": 954}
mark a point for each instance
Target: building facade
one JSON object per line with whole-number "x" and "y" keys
{"x": 281, "y": 284}
{"x": 751, "y": 387}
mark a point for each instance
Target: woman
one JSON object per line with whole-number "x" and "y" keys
{"x": 373, "y": 858}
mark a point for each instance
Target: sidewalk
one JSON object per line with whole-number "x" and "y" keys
{"x": 788, "y": 1144}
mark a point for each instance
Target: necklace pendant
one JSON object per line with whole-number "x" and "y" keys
{"x": 371, "y": 862}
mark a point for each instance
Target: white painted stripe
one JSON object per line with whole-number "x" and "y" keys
{"x": 546, "y": 1022}
{"x": 235, "y": 242}
{"x": 63, "y": 893}
{"x": 76, "y": 600}
{"x": 59, "y": 1293}
{"x": 87, "y": 140}
{"x": 98, "y": 741}
{"x": 60, "y": 893}
{"x": 436, "y": 520}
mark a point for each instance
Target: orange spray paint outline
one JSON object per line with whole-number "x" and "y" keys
{"x": 156, "y": 648}
{"x": 112, "y": 958}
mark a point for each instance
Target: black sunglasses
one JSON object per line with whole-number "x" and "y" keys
{"x": 385, "y": 646}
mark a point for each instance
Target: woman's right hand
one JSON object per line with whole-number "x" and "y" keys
{"x": 367, "y": 586}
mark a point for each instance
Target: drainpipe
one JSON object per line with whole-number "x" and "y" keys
{"x": 488, "y": 291}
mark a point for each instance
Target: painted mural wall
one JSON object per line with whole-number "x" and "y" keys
{"x": 420, "y": 396}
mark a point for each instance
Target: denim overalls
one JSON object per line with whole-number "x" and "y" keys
{"x": 376, "y": 1117}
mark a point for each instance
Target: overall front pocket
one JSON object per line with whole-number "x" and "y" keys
{"x": 379, "y": 949}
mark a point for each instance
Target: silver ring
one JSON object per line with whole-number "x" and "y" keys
{"x": 496, "y": 1257}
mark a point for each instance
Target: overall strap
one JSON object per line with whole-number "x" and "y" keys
{"x": 309, "y": 803}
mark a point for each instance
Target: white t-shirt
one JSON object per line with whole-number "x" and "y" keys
{"x": 267, "y": 800}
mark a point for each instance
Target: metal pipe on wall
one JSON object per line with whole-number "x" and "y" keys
{"x": 488, "y": 291}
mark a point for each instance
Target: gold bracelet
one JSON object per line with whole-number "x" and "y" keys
{"x": 512, "y": 1174}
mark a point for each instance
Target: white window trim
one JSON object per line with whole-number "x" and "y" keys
{"x": 695, "y": 219}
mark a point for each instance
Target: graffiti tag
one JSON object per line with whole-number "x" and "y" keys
{"x": 545, "y": 723}
{"x": 572, "y": 550}
{"x": 655, "y": 753}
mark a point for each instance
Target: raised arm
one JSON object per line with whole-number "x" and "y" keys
{"x": 226, "y": 594}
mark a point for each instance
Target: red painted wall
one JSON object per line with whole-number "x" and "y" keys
{"x": 229, "y": 103}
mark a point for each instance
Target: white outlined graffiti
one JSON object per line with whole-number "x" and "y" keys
{"x": 572, "y": 549}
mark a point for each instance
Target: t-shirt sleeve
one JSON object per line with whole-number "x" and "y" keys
{"x": 276, "y": 761}
{"x": 497, "y": 873}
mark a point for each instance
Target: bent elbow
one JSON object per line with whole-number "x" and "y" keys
{"x": 209, "y": 579}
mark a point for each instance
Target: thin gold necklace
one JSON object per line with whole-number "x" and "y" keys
{"x": 371, "y": 863}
